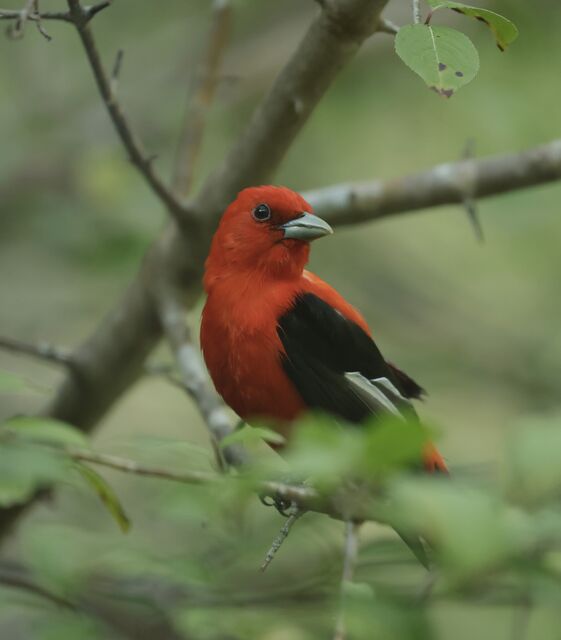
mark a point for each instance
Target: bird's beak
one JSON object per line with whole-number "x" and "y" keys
{"x": 307, "y": 227}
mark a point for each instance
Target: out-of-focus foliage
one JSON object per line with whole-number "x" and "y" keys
{"x": 493, "y": 542}
{"x": 477, "y": 325}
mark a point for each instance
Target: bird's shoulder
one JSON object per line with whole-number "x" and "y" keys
{"x": 312, "y": 284}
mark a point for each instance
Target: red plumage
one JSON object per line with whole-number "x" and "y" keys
{"x": 254, "y": 277}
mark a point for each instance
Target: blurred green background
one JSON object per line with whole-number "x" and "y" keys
{"x": 476, "y": 324}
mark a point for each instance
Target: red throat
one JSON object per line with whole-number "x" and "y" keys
{"x": 243, "y": 246}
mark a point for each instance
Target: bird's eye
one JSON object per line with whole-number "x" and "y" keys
{"x": 261, "y": 212}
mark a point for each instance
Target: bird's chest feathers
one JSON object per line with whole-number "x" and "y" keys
{"x": 245, "y": 348}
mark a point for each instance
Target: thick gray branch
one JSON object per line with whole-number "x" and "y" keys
{"x": 448, "y": 183}
{"x": 195, "y": 379}
{"x": 111, "y": 359}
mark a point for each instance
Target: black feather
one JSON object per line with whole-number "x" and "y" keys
{"x": 320, "y": 346}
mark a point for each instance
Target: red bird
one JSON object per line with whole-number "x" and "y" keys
{"x": 276, "y": 339}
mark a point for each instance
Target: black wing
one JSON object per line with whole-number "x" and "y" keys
{"x": 336, "y": 366}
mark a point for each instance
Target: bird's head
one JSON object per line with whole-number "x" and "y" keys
{"x": 267, "y": 231}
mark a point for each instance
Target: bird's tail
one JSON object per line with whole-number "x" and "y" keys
{"x": 433, "y": 461}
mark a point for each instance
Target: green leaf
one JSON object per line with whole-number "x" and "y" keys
{"x": 249, "y": 435}
{"x": 392, "y": 444}
{"x": 444, "y": 58}
{"x": 504, "y": 30}
{"x": 324, "y": 449}
{"x": 32, "y": 429}
{"x": 106, "y": 495}
{"x": 24, "y": 469}
{"x": 10, "y": 383}
{"x": 357, "y": 591}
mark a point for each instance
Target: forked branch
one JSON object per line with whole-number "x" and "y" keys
{"x": 80, "y": 17}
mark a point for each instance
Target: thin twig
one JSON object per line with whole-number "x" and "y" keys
{"x": 116, "y": 71}
{"x": 40, "y": 350}
{"x": 131, "y": 466}
{"x": 387, "y": 26}
{"x": 304, "y": 498}
{"x": 191, "y": 139}
{"x": 94, "y": 9}
{"x": 62, "y": 16}
{"x": 469, "y": 202}
{"x": 11, "y": 576}
{"x": 17, "y": 29}
{"x": 281, "y": 537}
{"x": 349, "y": 563}
{"x": 139, "y": 158}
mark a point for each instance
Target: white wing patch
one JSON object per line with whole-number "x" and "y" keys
{"x": 378, "y": 394}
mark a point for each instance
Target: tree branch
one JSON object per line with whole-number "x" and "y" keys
{"x": 41, "y": 351}
{"x": 119, "y": 346}
{"x": 281, "y": 537}
{"x": 63, "y": 16}
{"x": 387, "y": 26}
{"x": 195, "y": 379}
{"x": 191, "y": 138}
{"x": 80, "y": 17}
{"x": 448, "y": 183}
{"x": 361, "y": 506}
{"x": 131, "y": 466}
{"x": 112, "y": 358}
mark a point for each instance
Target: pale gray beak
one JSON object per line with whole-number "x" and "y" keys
{"x": 307, "y": 227}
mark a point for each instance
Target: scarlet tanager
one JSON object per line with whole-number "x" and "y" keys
{"x": 278, "y": 340}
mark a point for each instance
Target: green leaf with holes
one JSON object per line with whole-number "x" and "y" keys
{"x": 504, "y": 30}
{"x": 106, "y": 495}
{"x": 444, "y": 58}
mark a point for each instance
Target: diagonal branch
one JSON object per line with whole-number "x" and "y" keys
{"x": 112, "y": 358}
{"x": 137, "y": 155}
{"x": 443, "y": 184}
{"x": 195, "y": 379}
{"x": 191, "y": 138}
{"x": 281, "y": 537}
{"x": 120, "y": 344}
{"x": 41, "y": 351}
{"x": 364, "y": 506}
